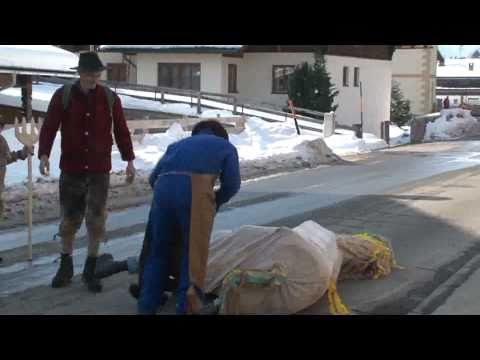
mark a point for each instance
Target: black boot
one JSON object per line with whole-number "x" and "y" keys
{"x": 93, "y": 283}
{"x": 134, "y": 290}
{"x": 172, "y": 285}
{"x": 106, "y": 266}
{"x": 65, "y": 272}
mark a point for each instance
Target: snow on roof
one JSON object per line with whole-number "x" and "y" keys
{"x": 36, "y": 59}
{"x": 459, "y": 68}
{"x": 166, "y": 48}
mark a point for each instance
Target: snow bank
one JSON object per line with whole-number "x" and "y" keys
{"x": 260, "y": 140}
{"x": 349, "y": 144}
{"x": 265, "y": 145}
{"x": 399, "y": 136}
{"x": 452, "y": 124}
{"x": 262, "y": 145}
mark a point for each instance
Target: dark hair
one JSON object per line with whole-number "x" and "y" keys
{"x": 213, "y": 125}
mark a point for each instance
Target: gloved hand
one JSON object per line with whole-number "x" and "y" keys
{"x": 26, "y": 151}
{"x": 44, "y": 165}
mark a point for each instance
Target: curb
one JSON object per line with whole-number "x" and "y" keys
{"x": 444, "y": 291}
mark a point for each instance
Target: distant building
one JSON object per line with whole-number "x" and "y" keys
{"x": 260, "y": 73}
{"x": 414, "y": 67}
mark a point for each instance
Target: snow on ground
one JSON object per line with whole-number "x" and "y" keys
{"x": 399, "y": 136}
{"x": 459, "y": 68}
{"x": 261, "y": 140}
{"x": 349, "y": 144}
{"x": 452, "y": 124}
{"x": 266, "y": 144}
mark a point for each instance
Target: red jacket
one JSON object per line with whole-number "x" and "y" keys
{"x": 86, "y": 129}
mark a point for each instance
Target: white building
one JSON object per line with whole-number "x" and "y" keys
{"x": 258, "y": 74}
{"x": 460, "y": 79}
{"x": 415, "y": 68}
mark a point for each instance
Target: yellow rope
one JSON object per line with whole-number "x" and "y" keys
{"x": 336, "y": 306}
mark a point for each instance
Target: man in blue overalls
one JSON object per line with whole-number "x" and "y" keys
{"x": 182, "y": 214}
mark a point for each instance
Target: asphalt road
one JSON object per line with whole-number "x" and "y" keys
{"x": 403, "y": 194}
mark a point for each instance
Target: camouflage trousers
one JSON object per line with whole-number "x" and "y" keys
{"x": 83, "y": 196}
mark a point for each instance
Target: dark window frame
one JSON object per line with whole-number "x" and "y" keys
{"x": 274, "y": 67}
{"x": 178, "y": 69}
{"x": 356, "y": 76}
{"x": 232, "y": 81}
{"x": 346, "y": 75}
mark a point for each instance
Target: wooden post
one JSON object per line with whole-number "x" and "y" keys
{"x": 199, "y": 103}
{"x": 292, "y": 108}
{"x": 329, "y": 124}
{"x": 234, "y": 106}
{"x": 163, "y": 97}
{"x": 28, "y": 139}
{"x": 361, "y": 108}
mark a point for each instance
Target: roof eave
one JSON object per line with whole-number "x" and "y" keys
{"x": 192, "y": 50}
{"x": 30, "y": 71}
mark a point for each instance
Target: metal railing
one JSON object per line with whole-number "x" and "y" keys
{"x": 425, "y": 117}
{"x": 201, "y": 99}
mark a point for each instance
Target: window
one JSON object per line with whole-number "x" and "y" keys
{"x": 356, "y": 77}
{"x": 232, "y": 78}
{"x": 180, "y": 76}
{"x": 345, "y": 76}
{"x": 117, "y": 72}
{"x": 280, "y": 76}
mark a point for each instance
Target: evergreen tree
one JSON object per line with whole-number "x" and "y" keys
{"x": 310, "y": 87}
{"x": 400, "y": 107}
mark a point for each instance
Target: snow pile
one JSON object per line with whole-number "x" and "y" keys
{"x": 262, "y": 146}
{"x": 262, "y": 139}
{"x": 399, "y": 136}
{"x": 38, "y": 57}
{"x": 452, "y": 124}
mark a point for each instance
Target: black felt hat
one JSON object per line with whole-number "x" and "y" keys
{"x": 89, "y": 61}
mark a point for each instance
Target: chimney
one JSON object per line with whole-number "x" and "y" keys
{"x": 470, "y": 66}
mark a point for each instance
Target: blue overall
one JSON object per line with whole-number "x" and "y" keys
{"x": 182, "y": 213}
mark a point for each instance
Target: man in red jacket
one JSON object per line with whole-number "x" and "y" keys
{"x": 86, "y": 112}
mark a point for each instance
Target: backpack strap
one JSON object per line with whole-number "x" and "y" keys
{"x": 67, "y": 91}
{"x": 110, "y": 99}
